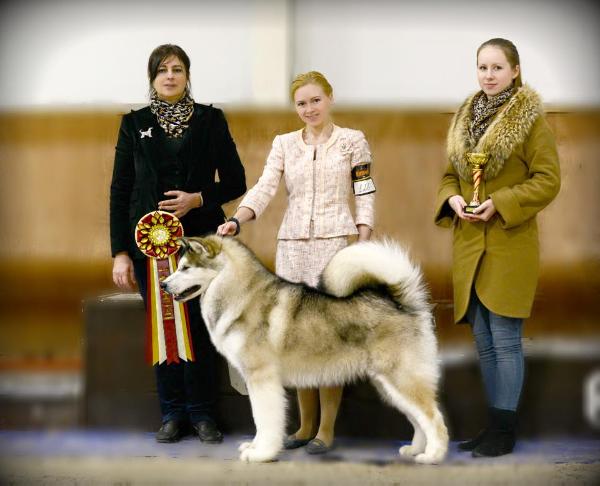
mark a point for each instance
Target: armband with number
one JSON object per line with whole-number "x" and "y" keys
{"x": 362, "y": 183}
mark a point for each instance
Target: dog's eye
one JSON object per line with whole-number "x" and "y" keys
{"x": 183, "y": 268}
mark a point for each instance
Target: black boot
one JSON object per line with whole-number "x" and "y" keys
{"x": 500, "y": 438}
{"x": 469, "y": 445}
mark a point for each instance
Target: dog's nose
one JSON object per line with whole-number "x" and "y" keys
{"x": 163, "y": 285}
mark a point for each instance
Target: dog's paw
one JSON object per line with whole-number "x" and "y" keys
{"x": 410, "y": 450}
{"x": 425, "y": 458}
{"x": 245, "y": 445}
{"x": 252, "y": 454}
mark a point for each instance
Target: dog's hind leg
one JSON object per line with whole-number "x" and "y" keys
{"x": 267, "y": 399}
{"x": 417, "y": 401}
{"x": 418, "y": 442}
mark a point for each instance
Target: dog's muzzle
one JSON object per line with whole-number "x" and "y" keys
{"x": 182, "y": 295}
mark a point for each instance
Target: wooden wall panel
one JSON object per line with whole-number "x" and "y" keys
{"x": 55, "y": 171}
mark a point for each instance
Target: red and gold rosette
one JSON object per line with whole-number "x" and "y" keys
{"x": 167, "y": 322}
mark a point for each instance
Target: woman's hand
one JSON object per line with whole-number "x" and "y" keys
{"x": 227, "y": 229}
{"x": 181, "y": 202}
{"x": 458, "y": 204}
{"x": 484, "y": 211}
{"x": 123, "y": 275}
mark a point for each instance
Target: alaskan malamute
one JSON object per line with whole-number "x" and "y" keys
{"x": 369, "y": 318}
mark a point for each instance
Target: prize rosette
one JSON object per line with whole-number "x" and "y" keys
{"x": 168, "y": 335}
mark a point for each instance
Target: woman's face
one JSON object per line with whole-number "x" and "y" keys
{"x": 494, "y": 72}
{"x": 312, "y": 105}
{"x": 171, "y": 80}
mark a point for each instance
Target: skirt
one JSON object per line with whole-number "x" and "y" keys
{"x": 303, "y": 261}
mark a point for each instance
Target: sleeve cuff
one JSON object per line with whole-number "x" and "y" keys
{"x": 249, "y": 203}
{"x": 508, "y": 208}
{"x": 444, "y": 215}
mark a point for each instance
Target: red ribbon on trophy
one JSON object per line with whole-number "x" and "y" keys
{"x": 168, "y": 335}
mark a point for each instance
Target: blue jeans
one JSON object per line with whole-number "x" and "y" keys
{"x": 186, "y": 390}
{"x": 498, "y": 341}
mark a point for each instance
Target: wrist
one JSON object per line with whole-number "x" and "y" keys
{"x": 237, "y": 225}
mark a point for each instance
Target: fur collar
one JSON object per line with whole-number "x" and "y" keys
{"x": 509, "y": 129}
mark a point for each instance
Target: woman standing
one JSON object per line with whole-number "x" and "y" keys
{"x": 166, "y": 158}
{"x": 495, "y": 257}
{"x": 321, "y": 164}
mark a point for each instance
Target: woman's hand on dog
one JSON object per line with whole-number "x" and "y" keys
{"x": 227, "y": 229}
{"x": 123, "y": 275}
{"x": 243, "y": 214}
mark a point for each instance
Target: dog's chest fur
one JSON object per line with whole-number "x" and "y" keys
{"x": 220, "y": 313}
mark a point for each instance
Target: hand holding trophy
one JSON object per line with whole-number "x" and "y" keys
{"x": 477, "y": 161}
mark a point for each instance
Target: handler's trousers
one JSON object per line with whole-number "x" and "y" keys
{"x": 498, "y": 341}
{"x": 187, "y": 391}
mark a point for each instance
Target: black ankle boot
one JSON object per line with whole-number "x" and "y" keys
{"x": 469, "y": 445}
{"x": 500, "y": 438}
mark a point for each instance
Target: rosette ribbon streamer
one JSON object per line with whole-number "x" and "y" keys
{"x": 168, "y": 336}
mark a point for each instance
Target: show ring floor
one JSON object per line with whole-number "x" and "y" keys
{"x": 107, "y": 457}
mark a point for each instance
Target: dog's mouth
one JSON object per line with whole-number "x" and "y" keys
{"x": 187, "y": 292}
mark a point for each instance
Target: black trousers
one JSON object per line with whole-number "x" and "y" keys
{"x": 187, "y": 391}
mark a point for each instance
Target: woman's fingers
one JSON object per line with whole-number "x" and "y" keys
{"x": 226, "y": 229}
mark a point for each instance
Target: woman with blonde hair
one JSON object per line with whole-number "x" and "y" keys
{"x": 322, "y": 165}
{"x": 495, "y": 264}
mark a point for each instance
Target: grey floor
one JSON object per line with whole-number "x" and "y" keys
{"x": 116, "y": 457}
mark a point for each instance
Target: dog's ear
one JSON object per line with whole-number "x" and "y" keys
{"x": 212, "y": 247}
{"x": 203, "y": 245}
{"x": 183, "y": 244}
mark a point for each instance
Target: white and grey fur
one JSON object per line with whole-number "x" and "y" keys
{"x": 370, "y": 318}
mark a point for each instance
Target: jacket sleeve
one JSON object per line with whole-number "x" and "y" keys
{"x": 364, "y": 204}
{"x": 450, "y": 186}
{"x": 120, "y": 189}
{"x": 260, "y": 195}
{"x": 518, "y": 203}
{"x": 232, "y": 177}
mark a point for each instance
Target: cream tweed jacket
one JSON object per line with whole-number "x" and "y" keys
{"x": 318, "y": 190}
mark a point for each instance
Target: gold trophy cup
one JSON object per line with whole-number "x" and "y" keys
{"x": 476, "y": 160}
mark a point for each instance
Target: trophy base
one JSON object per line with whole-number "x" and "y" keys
{"x": 470, "y": 209}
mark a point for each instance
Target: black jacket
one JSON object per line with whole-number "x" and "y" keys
{"x": 207, "y": 150}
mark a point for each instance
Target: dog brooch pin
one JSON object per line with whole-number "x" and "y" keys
{"x": 147, "y": 133}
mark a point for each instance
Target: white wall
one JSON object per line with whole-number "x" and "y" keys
{"x": 415, "y": 52}
{"x": 57, "y": 52}
{"x": 377, "y": 52}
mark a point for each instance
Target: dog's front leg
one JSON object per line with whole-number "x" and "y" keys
{"x": 267, "y": 399}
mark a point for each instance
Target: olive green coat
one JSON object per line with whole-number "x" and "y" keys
{"x": 500, "y": 257}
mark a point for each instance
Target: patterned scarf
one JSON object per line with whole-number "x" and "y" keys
{"x": 173, "y": 117}
{"x": 484, "y": 109}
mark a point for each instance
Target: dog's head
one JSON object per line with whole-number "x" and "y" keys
{"x": 200, "y": 263}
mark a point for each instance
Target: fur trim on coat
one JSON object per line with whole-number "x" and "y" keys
{"x": 509, "y": 129}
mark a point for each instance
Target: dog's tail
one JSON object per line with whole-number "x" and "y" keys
{"x": 375, "y": 264}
